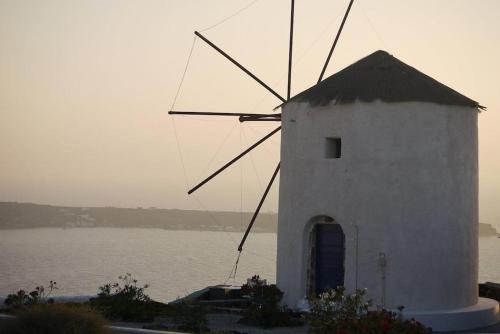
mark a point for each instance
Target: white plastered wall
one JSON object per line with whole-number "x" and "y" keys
{"x": 406, "y": 186}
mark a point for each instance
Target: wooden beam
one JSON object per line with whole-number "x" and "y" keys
{"x": 217, "y": 172}
{"x": 259, "y": 206}
{"x": 228, "y": 57}
{"x": 335, "y": 41}
{"x": 290, "y": 52}
{"x": 262, "y": 118}
{"x": 201, "y": 113}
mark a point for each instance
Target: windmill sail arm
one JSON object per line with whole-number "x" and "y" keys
{"x": 234, "y": 160}
{"x": 335, "y": 41}
{"x": 241, "y": 67}
{"x": 259, "y": 206}
{"x": 242, "y": 116}
{"x": 202, "y": 113}
{"x": 261, "y": 118}
{"x": 290, "y": 52}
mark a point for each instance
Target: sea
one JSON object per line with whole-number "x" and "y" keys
{"x": 172, "y": 263}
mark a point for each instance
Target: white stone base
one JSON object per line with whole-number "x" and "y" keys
{"x": 484, "y": 313}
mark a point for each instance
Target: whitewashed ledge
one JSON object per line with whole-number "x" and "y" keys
{"x": 116, "y": 329}
{"x": 139, "y": 330}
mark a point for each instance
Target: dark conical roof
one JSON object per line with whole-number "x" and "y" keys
{"x": 381, "y": 76}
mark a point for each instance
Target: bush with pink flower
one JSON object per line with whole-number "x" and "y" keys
{"x": 334, "y": 311}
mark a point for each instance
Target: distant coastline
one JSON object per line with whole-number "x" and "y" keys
{"x": 487, "y": 230}
{"x": 15, "y": 215}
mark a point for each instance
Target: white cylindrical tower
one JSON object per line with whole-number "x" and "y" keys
{"x": 379, "y": 190}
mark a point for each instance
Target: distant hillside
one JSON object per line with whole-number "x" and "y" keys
{"x": 486, "y": 230}
{"x": 27, "y": 215}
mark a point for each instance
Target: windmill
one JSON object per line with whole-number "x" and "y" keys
{"x": 379, "y": 167}
{"x": 256, "y": 117}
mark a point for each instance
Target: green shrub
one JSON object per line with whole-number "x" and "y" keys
{"x": 384, "y": 322}
{"x": 38, "y": 296}
{"x": 264, "y": 310}
{"x": 56, "y": 319}
{"x": 125, "y": 300}
{"x": 490, "y": 290}
{"x": 190, "y": 317}
{"x": 333, "y": 308}
{"x": 337, "y": 312}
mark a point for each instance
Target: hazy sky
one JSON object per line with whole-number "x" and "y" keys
{"x": 85, "y": 87}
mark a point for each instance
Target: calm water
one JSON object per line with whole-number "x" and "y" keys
{"x": 174, "y": 263}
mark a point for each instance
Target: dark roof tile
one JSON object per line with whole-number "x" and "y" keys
{"x": 381, "y": 76}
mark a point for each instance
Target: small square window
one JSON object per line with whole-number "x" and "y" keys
{"x": 333, "y": 148}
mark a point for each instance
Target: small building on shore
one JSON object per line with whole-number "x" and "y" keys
{"x": 379, "y": 190}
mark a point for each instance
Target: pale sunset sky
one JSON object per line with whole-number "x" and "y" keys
{"x": 85, "y": 87}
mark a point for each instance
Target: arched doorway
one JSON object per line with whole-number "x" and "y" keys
{"x": 326, "y": 256}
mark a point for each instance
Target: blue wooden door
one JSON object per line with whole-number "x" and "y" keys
{"x": 330, "y": 252}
